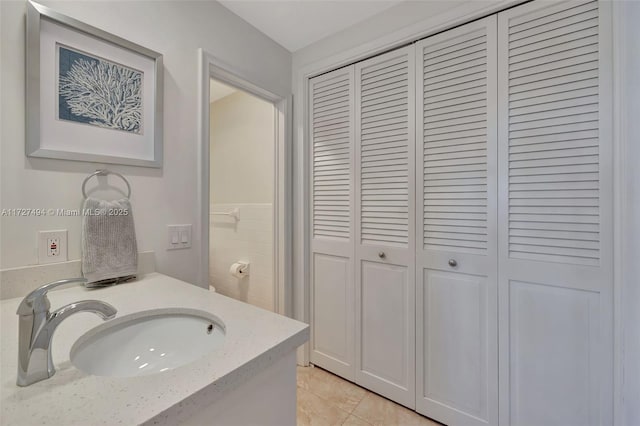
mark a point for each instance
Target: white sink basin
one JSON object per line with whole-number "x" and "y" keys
{"x": 148, "y": 342}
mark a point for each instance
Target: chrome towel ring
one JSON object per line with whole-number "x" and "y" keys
{"x": 104, "y": 172}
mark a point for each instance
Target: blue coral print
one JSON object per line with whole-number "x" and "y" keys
{"x": 98, "y": 92}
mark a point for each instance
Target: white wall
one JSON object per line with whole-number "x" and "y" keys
{"x": 391, "y": 25}
{"x": 242, "y": 130}
{"x": 376, "y": 27}
{"x": 250, "y": 239}
{"x": 242, "y": 133}
{"x": 630, "y": 290}
{"x": 160, "y": 197}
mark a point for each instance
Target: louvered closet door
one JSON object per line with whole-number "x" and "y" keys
{"x": 555, "y": 200}
{"x": 456, "y": 253}
{"x": 385, "y": 233}
{"x": 332, "y": 221}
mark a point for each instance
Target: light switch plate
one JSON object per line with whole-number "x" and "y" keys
{"x": 52, "y": 246}
{"x": 179, "y": 237}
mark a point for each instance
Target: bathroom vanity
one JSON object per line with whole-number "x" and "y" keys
{"x": 247, "y": 376}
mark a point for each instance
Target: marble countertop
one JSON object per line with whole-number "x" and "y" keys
{"x": 255, "y": 339}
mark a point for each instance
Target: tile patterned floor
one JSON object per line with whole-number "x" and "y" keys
{"x": 326, "y": 400}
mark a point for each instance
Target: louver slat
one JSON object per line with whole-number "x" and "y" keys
{"x": 455, "y": 144}
{"x": 554, "y": 194}
{"x": 331, "y": 134}
{"x": 384, "y": 153}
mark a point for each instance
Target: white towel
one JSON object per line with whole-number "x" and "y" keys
{"x": 109, "y": 248}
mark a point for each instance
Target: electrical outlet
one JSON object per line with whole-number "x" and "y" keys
{"x": 52, "y": 246}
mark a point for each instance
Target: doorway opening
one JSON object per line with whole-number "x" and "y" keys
{"x": 244, "y": 226}
{"x": 241, "y": 195}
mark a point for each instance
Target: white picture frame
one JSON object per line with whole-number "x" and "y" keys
{"x": 67, "y": 115}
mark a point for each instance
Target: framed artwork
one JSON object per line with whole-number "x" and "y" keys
{"x": 91, "y": 96}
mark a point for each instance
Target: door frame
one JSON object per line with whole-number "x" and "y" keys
{"x": 211, "y": 67}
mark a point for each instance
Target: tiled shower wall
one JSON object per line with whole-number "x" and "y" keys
{"x": 249, "y": 239}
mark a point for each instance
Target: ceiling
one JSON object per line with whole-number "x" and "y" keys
{"x": 295, "y": 24}
{"x": 219, "y": 90}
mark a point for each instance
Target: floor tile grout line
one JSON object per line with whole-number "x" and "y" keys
{"x": 359, "y": 418}
{"x": 358, "y": 404}
{"x": 365, "y": 391}
{"x": 364, "y": 420}
{"x": 328, "y": 402}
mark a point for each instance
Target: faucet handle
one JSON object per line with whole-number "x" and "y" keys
{"x": 37, "y": 301}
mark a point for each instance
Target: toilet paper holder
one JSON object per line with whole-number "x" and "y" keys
{"x": 240, "y": 269}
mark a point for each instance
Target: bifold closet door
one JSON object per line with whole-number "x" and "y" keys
{"x": 385, "y": 232}
{"x": 555, "y": 211}
{"x": 332, "y": 221}
{"x": 456, "y": 254}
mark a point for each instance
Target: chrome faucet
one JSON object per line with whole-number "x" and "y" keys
{"x": 37, "y": 325}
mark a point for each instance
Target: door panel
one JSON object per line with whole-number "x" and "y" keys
{"x": 455, "y": 339}
{"x": 555, "y": 200}
{"x": 385, "y": 326}
{"x": 456, "y": 253}
{"x": 385, "y": 233}
{"x": 332, "y": 275}
{"x": 332, "y": 220}
{"x": 553, "y": 331}
{"x": 512, "y": 114}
